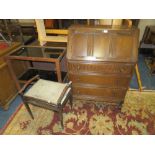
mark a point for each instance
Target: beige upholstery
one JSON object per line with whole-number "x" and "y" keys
{"x": 48, "y": 91}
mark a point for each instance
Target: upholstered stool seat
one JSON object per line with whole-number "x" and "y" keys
{"x": 48, "y": 91}
{"x": 47, "y": 94}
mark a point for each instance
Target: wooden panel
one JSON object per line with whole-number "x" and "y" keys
{"x": 7, "y": 86}
{"x": 101, "y": 92}
{"x": 79, "y": 47}
{"x": 114, "y": 81}
{"x": 121, "y": 46}
{"x": 113, "y": 68}
{"x": 104, "y": 43}
{"x": 99, "y": 99}
{"x": 101, "y": 45}
{"x": 117, "y": 46}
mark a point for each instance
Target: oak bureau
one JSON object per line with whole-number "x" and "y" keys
{"x": 101, "y": 61}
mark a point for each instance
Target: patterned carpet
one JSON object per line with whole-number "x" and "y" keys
{"x": 3, "y": 45}
{"x": 137, "y": 116}
{"x": 148, "y": 62}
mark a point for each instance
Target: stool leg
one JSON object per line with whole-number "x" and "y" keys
{"x": 29, "y": 110}
{"x": 61, "y": 117}
{"x": 71, "y": 101}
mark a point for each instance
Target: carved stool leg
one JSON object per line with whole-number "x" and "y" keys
{"x": 71, "y": 101}
{"x": 29, "y": 110}
{"x": 61, "y": 116}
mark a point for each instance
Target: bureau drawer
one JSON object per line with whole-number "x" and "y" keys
{"x": 100, "y": 92}
{"x": 106, "y": 80}
{"x": 107, "y": 68}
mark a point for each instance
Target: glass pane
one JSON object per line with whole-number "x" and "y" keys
{"x": 38, "y": 52}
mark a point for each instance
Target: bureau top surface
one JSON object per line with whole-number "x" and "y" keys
{"x": 103, "y": 43}
{"x": 100, "y": 27}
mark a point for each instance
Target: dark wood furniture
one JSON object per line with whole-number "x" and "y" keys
{"x": 7, "y": 85}
{"x": 47, "y": 94}
{"x": 147, "y": 46}
{"x": 149, "y": 35}
{"x": 101, "y": 60}
{"x": 11, "y": 28}
{"x": 36, "y": 54}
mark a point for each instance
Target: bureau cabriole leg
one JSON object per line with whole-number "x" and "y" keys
{"x": 138, "y": 78}
{"x": 119, "y": 106}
